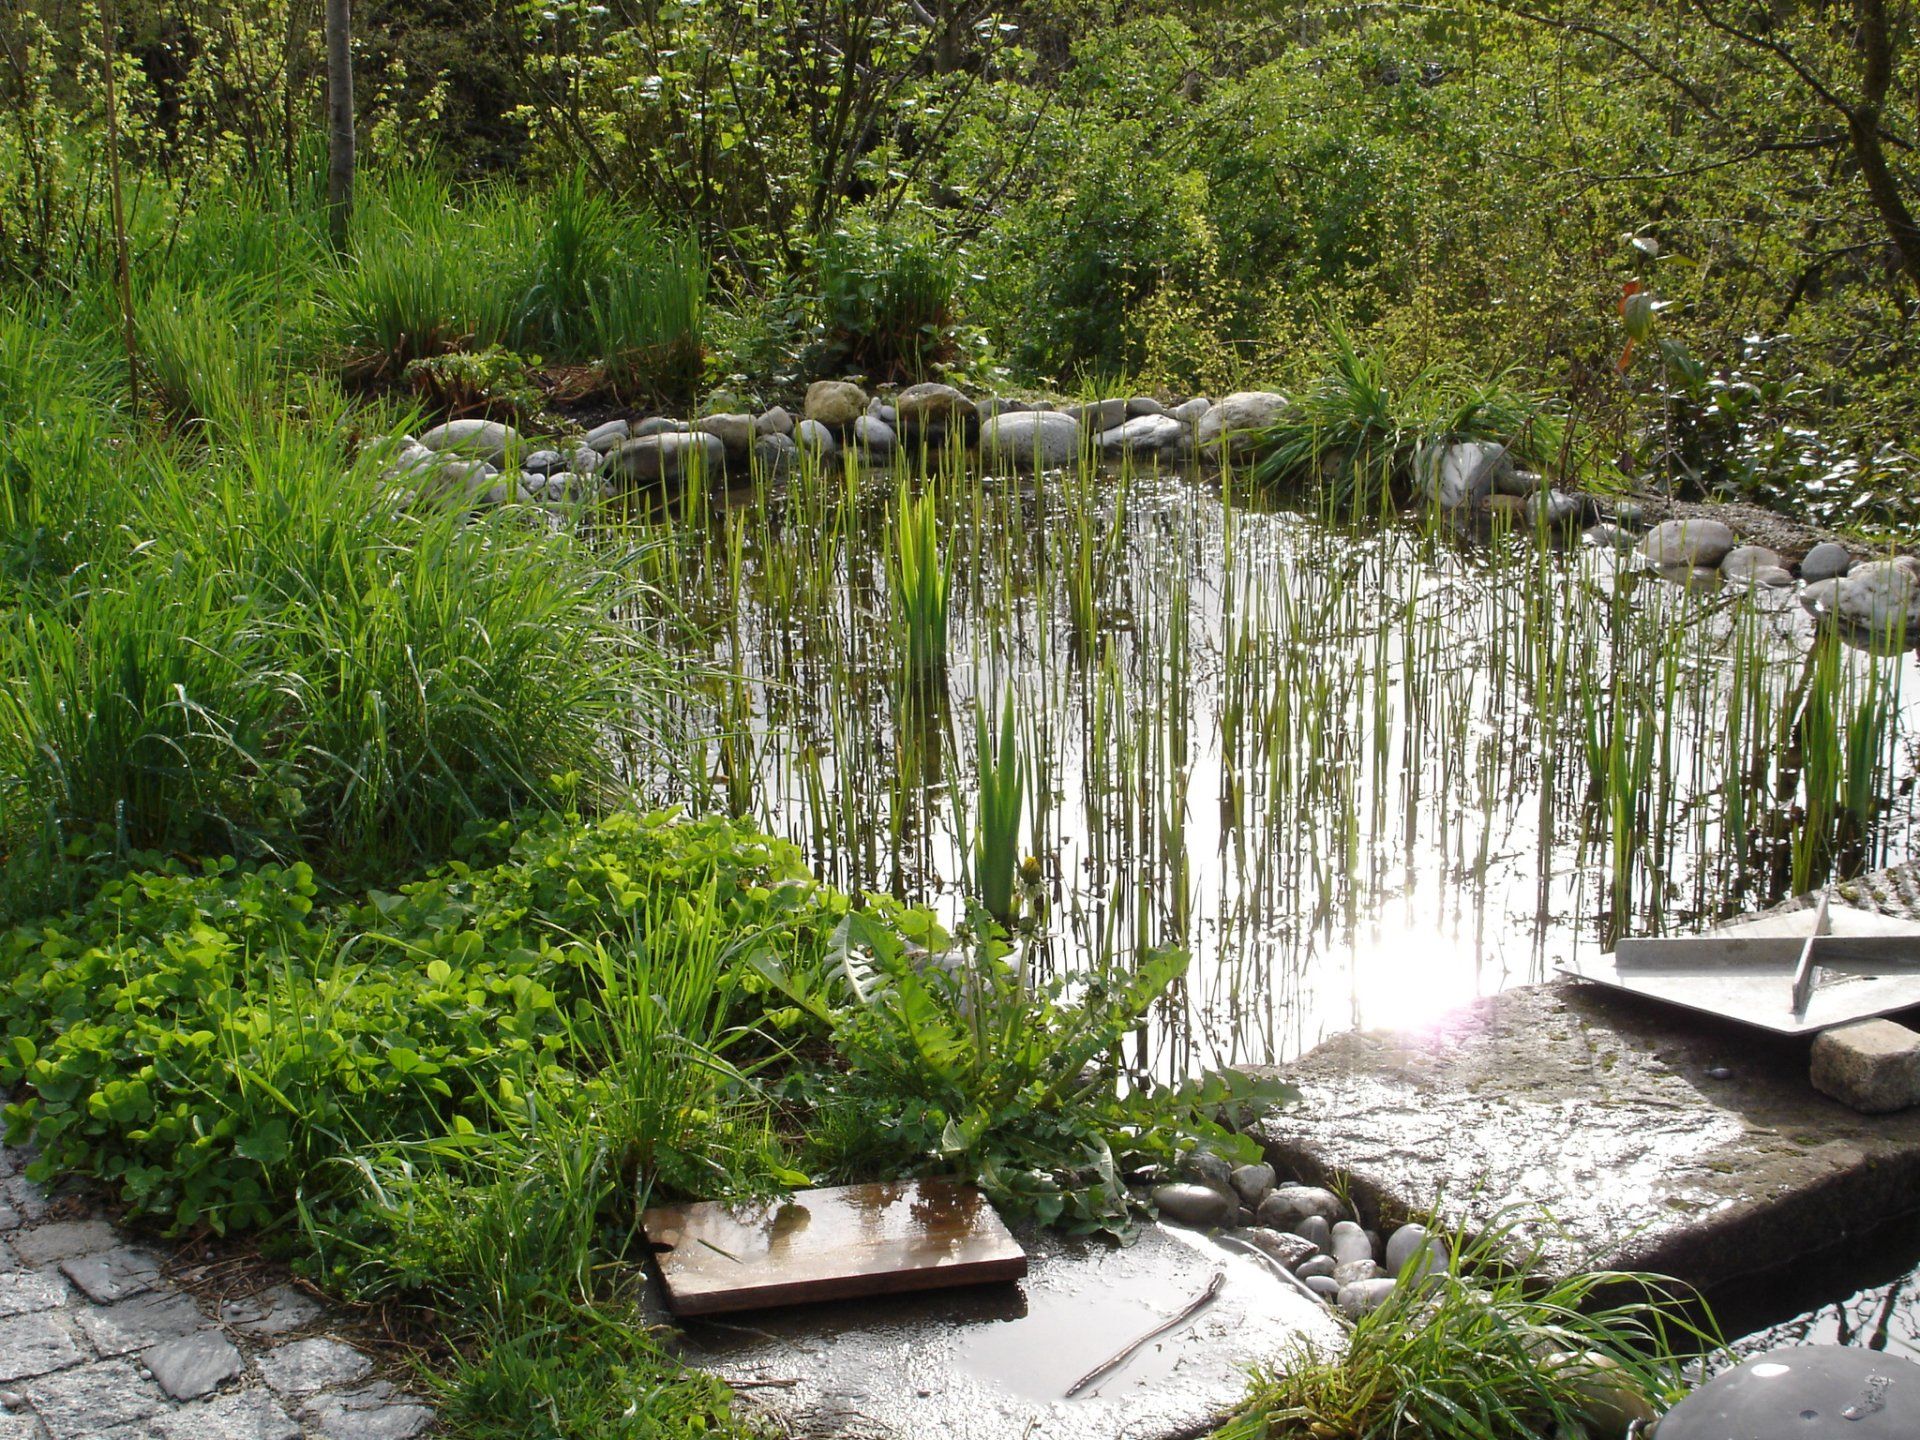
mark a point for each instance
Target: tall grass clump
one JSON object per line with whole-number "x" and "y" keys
{"x": 292, "y": 666}
{"x": 887, "y": 294}
{"x": 1485, "y": 1352}
{"x": 919, "y": 584}
{"x": 996, "y": 846}
{"x": 1357, "y": 433}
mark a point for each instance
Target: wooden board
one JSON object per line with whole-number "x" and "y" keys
{"x": 831, "y": 1244}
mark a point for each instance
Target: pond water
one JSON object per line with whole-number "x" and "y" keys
{"x": 1361, "y": 772}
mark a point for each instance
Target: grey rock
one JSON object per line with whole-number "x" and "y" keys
{"x": 542, "y": 462}
{"x": 1031, "y": 440}
{"x": 879, "y": 409}
{"x": 135, "y": 1324}
{"x": 1818, "y": 599}
{"x": 1772, "y": 577}
{"x": 89, "y": 1399}
{"x": 1418, "y": 1247}
{"x": 669, "y": 457}
{"x": 659, "y": 425}
{"x": 1143, "y": 435}
{"x": 1521, "y": 483}
{"x": 1146, "y": 405}
{"x": 115, "y": 1274}
{"x": 35, "y": 1344}
{"x": 1253, "y": 1183}
{"x": 1609, "y": 537}
{"x": 605, "y": 438}
{"x": 1872, "y": 1066}
{"x": 61, "y": 1239}
{"x": 1459, "y": 474}
{"x": 1316, "y": 1265}
{"x": 1881, "y": 598}
{"x": 1363, "y": 1297}
{"x": 1325, "y": 1286}
{"x": 835, "y": 403}
{"x": 1350, "y": 1242}
{"x": 1206, "y": 1168}
{"x": 1190, "y": 411}
{"x": 775, "y": 455}
{"x": 815, "y": 439}
{"x": 1694, "y": 543}
{"x": 487, "y": 440}
{"x": 1283, "y": 1245}
{"x": 373, "y": 1412}
{"x": 1287, "y": 1206}
{"x": 1315, "y": 1227}
{"x": 243, "y": 1415}
{"x": 1097, "y": 416}
{"x": 1630, "y": 515}
{"x": 930, "y": 406}
{"x": 584, "y": 460}
{"x": 1236, "y": 425}
{"x": 306, "y": 1366}
{"x": 874, "y": 436}
{"x": 272, "y": 1313}
{"x": 194, "y": 1366}
{"x": 773, "y": 422}
{"x": 24, "y": 1291}
{"x": 1351, "y": 1272}
{"x": 1196, "y": 1205}
{"x": 1828, "y": 560}
{"x": 994, "y": 405}
{"x": 733, "y": 431}
{"x": 1690, "y": 577}
{"x": 1742, "y": 561}
{"x": 1553, "y": 509}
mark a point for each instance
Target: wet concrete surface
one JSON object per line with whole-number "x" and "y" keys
{"x": 1623, "y": 1134}
{"x": 995, "y": 1362}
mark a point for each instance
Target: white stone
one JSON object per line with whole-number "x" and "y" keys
{"x": 1695, "y": 542}
{"x": 1462, "y": 473}
{"x": 1143, "y": 435}
{"x": 487, "y": 440}
{"x": 604, "y": 438}
{"x": 1238, "y": 422}
{"x": 1030, "y": 440}
{"x": 1882, "y": 599}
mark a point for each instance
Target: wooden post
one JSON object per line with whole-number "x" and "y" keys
{"x": 123, "y": 266}
{"x": 339, "y": 122}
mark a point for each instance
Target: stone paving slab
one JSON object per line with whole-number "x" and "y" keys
{"x": 1654, "y": 1138}
{"x": 98, "y": 1343}
{"x": 994, "y": 1362}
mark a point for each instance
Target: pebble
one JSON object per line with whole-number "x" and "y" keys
{"x": 1743, "y": 560}
{"x": 1253, "y": 1183}
{"x": 1364, "y": 1297}
{"x": 1322, "y": 1285}
{"x": 603, "y": 438}
{"x": 1208, "y": 1169}
{"x": 1414, "y": 1252}
{"x": 1828, "y": 560}
{"x": 1350, "y": 1242}
{"x": 1198, "y": 1205}
{"x": 1352, "y": 1272}
{"x": 1289, "y": 1249}
{"x": 1317, "y": 1265}
{"x": 815, "y": 438}
{"x": 1610, "y": 537}
{"x": 1316, "y": 1229}
{"x": 1287, "y": 1206}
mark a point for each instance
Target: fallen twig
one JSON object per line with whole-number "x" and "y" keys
{"x": 1197, "y": 1304}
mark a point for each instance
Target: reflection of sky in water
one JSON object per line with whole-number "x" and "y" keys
{"x": 1878, "y": 1316}
{"x": 1353, "y": 776}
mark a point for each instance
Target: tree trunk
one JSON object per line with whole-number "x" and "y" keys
{"x": 339, "y": 121}
{"x": 1863, "y": 129}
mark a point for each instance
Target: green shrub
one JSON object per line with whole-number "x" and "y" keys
{"x": 887, "y": 297}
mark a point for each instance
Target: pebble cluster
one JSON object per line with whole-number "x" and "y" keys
{"x": 1471, "y": 483}
{"x": 1305, "y": 1228}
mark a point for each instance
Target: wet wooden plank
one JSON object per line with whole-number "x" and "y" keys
{"x": 829, "y": 1244}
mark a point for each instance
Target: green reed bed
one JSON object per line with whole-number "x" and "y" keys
{"x": 1284, "y": 741}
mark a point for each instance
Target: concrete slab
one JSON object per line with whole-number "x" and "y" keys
{"x": 1655, "y": 1139}
{"x": 994, "y": 1363}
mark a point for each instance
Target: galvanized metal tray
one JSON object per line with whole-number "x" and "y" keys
{"x": 1795, "y": 973}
